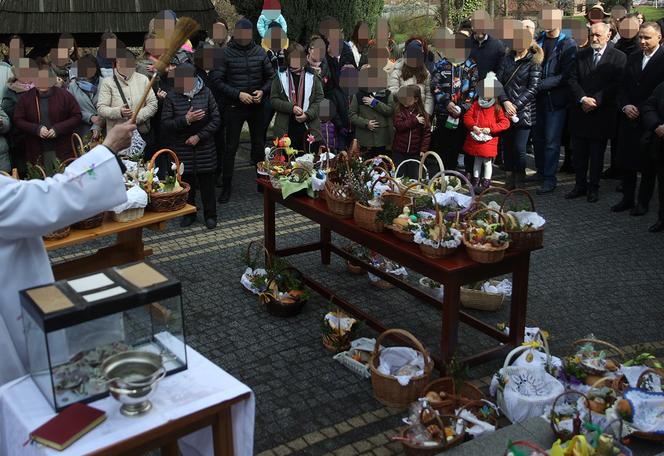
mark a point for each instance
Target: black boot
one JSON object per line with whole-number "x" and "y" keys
{"x": 659, "y": 225}
{"x": 520, "y": 179}
{"x": 225, "y": 195}
{"x": 510, "y": 178}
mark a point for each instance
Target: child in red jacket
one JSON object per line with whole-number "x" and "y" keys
{"x": 484, "y": 120}
{"x": 412, "y": 129}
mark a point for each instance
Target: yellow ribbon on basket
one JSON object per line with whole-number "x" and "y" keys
{"x": 578, "y": 446}
{"x": 533, "y": 345}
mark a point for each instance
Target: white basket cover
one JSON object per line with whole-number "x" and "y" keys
{"x": 527, "y": 391}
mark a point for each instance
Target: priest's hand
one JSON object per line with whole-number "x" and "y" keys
{"x": 119, "y": 137}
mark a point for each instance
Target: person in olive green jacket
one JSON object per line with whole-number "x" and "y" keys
{"x": 371, "y": 110}
{"x": 296, "y": 95}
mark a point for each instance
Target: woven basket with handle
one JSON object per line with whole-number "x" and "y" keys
{"x": 485, "y": 254}
{"x": 169, "y": 201}
{"x": 524, "y": 239}
{"x": 387, "y": 390}
{"x": 339, "y": 195}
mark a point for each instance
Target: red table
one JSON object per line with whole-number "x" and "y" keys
{"x": 452, "y": 272}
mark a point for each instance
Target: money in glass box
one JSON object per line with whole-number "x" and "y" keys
{"x": 73, "y": 326}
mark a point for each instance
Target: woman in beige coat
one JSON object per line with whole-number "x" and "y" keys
{"x": 115, "y": 106}
{"x": 410, "y": 70}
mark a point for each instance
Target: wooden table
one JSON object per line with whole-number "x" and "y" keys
{"x": 165, "y": 437}
{"x": 452, "y": 272}
{"x": 127, "y": 248}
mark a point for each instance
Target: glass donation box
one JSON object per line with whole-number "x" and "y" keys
{"x": 72, "y": 326}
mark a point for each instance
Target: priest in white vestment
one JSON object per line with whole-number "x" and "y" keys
{"x": 30, "y": 209}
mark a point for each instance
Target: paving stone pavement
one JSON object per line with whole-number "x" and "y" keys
{"x": 599, "y": 273}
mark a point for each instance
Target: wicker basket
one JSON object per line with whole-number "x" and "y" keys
{"x": 387, "y": 390}
{"x": 524, "y": 239}
{"x": 563, "y": 434}
{"x": 481, "y": 300}
{"x": 129, "y": 215}
{"x": 277, "y": 308}
{"x": 471, "y": 192}
{"x": 339, "y": 195}
{"x": 453, "y": 399}
{"x": 89, "y": 223}
{"x": 438, "y": 252}
{"x": 171, "y": 201}
{"x": 485, "y": 254}
{"x": 475, "y": 408}
{"x": 596, "y": 373}
{"x": 420, "y": 188}
{"x": 335, "y": 342}
{"x": 354, "y": 268}
{"x": 411, "y": 449}
{"x": 58, "y": 234}
{"x": 367, "y": 216}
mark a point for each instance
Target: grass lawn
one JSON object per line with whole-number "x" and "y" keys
{"x": 650, "y": 12}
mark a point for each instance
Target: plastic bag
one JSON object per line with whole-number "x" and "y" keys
{"x": 402, "y": 363}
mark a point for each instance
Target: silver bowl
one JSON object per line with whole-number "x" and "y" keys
{"x": 132, "y": 379}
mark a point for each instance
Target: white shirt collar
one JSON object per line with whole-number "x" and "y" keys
{"x": 651, "y": 54}
{"x": 600, "y": 51}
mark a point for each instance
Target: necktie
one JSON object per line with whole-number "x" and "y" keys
{"x": 596, "y": 58}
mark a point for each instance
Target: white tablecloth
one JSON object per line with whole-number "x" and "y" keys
{"x": 23, "y": 408}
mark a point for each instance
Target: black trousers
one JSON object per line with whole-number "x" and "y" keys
{"x": 236, "y": 116}
{"x": 410, "y": 169}
{"x": 220, "y": 143}
{"x": 660, "y": 186}
{"x": 648, "y": 177}
{"x": 588, "y": 152}
{"x": 372, "y": 152}
{"x": 205, "y": 182}
{"x": 449, "y": 144}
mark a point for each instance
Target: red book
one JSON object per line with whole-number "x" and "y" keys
{"x": 68, "y": 426}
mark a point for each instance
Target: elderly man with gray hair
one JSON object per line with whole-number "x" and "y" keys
{"x": 594, "y": 83}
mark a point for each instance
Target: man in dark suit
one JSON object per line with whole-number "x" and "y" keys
{"x": 643, "y": 72}
{"x": 594, "y": 83}
{"x": 653, "y": 143}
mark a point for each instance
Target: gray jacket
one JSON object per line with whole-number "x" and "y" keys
{"x": 88, "y": 107}
{"x": 4, "y": 145}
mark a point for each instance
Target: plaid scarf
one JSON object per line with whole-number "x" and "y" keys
{"x": 297, "y": 98}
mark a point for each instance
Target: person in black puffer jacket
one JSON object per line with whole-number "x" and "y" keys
{"x": 519, "y": 73}
{"x": 190, "y": 119}
{"x": 244, "y": 76}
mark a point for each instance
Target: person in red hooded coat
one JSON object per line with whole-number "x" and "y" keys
{"x": 484, "y": 120}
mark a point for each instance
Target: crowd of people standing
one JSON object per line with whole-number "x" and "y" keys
{"x": 468, "y": 94}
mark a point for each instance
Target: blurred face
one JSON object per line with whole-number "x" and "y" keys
{"x": 206, "y": 57}
{"x": 164, "y": 27}
{"x": 155, "y": 46}
{"x": 551, "y": 19}
{"x": 363, "y": 36}
{"x": 16, "y": 50}
{"x": 628, "y": 27}
{"x": 86, "y": 69}
{"x": 60, "y": 55}
{"x": 640, "y": 18}
{"x": 599, "y": 36}
{"x": 382, "y": 33}
{"x": 522, "y": 39}
{"x": 109, "y": 48}
{"x": 482, "y": 24}
{"x": 649, "y": 39}
{"x": 44, "y": 80}
{"x": 184, "y": 83}
{"x": 26, "y": 71}
{"x": 335, "y": 41}
{"x": 219, "y": 33}
{"x": 578, "y": 29}
{"x": 242, "y": 36}
{"x": 296, "y": 60}
{"x": 451, "y": 46}
{"x": 373, "y": 79}
{"x": 529, "y": 25}
{"x": 276, "y": 38}
{"x": 326, "y": 110}
{"x": 407, "y": 96}
{"x": 126, "y": 66}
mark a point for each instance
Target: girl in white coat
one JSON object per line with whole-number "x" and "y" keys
{"x": 30, "y": 209}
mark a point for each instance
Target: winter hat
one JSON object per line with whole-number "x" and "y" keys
{"x": 271, "y": 5}
{"x": 492, "y": 85}
{"x": 244, "y": 23}
{"x": 414, "y": 49}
